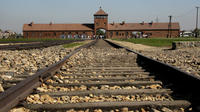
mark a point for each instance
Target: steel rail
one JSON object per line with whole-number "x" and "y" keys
{"x": 11, "y": 97}
{"x": 36, "y": 45}
{"x": 182, "y": 83}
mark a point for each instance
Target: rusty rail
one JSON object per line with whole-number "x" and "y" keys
{"x": 183, "y": 84}
{"x": 36, "y": 45}
{"x": 15, "y": 94}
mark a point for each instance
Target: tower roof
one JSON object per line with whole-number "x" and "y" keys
{"x": 101, "y": 12}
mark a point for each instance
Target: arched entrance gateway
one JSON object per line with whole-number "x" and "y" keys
{"x": 100, "y": 24}
{"x": 101, "y": 33}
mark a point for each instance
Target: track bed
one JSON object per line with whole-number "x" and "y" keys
{"x": 103, "y": 78}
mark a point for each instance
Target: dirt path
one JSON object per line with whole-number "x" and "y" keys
{"x": 138, "y": 47}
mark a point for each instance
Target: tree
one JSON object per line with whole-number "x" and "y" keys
{"x": 100, "y": 32}
{"x": 196, "y": 32}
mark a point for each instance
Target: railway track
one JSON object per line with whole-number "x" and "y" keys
{"x": 35, "y": 45}
{"x": 98, "y": 77}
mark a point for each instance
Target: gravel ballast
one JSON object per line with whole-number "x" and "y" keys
{"x": 187, "y": 59}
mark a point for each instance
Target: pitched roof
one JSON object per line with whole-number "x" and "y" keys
{"x": 90, "y": 27}
{"x": 58, "y": 27}
{"x": 142, "y": 26}
{"x": 101, "y": 12}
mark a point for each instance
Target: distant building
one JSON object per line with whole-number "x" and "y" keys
{"x": 111, "y": 30}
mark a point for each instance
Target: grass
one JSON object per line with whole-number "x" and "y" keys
{"x": 72, "y": 44}
{"x": 31, "y": 39}
{"x": 157, "y": 42}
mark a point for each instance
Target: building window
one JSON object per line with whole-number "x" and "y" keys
{"x": 54, "y": 33}
{"x": 45, "y": 34}
{"x": 117, "y": 33}
{"x": 97, "y": 24}
{"x": 100, "y": 17}
{"x": 40, "y": 34}
{"x": 126, "y": 33}
{"x": 105, "y": 23}
{"x": 111, "y": 34}
{"x": 33, "y": 34}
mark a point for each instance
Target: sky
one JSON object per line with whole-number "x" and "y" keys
{"x": 15, "y": 13}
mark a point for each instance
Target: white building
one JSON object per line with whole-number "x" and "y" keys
{"x": 186, "y": 34}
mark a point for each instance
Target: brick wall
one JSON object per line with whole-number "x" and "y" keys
{"x": 129, "y": 34}
{"x": 100, "y": 23}
{"x": 110, "y": 34}
{"x": 56, "y": 34}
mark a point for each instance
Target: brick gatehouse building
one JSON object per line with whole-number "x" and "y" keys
{"x": 111, "y": 30}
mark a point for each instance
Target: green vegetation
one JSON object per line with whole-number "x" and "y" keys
{"x": 72, "y": 44}
{"x": 100, "y": 32}
{"x": 31, "y": 39}
{"x": 157, "y": 42}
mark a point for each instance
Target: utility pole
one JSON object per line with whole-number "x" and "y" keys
{"x": 170, "y": 27}
{"x": 197, "y": 22}
{"x": 157, "y": 20}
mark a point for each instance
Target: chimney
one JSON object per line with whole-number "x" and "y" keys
{"x": 113, "y": 23}
{"x": 123, "y": 22}
{"x": 151, "y": 23}
{"x": 31, "y": 24}
{"x": 142, "y": 23}
{"x": 50, "y": 23}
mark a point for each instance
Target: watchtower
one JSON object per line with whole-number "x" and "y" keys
{"x": 100, "y": 20}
